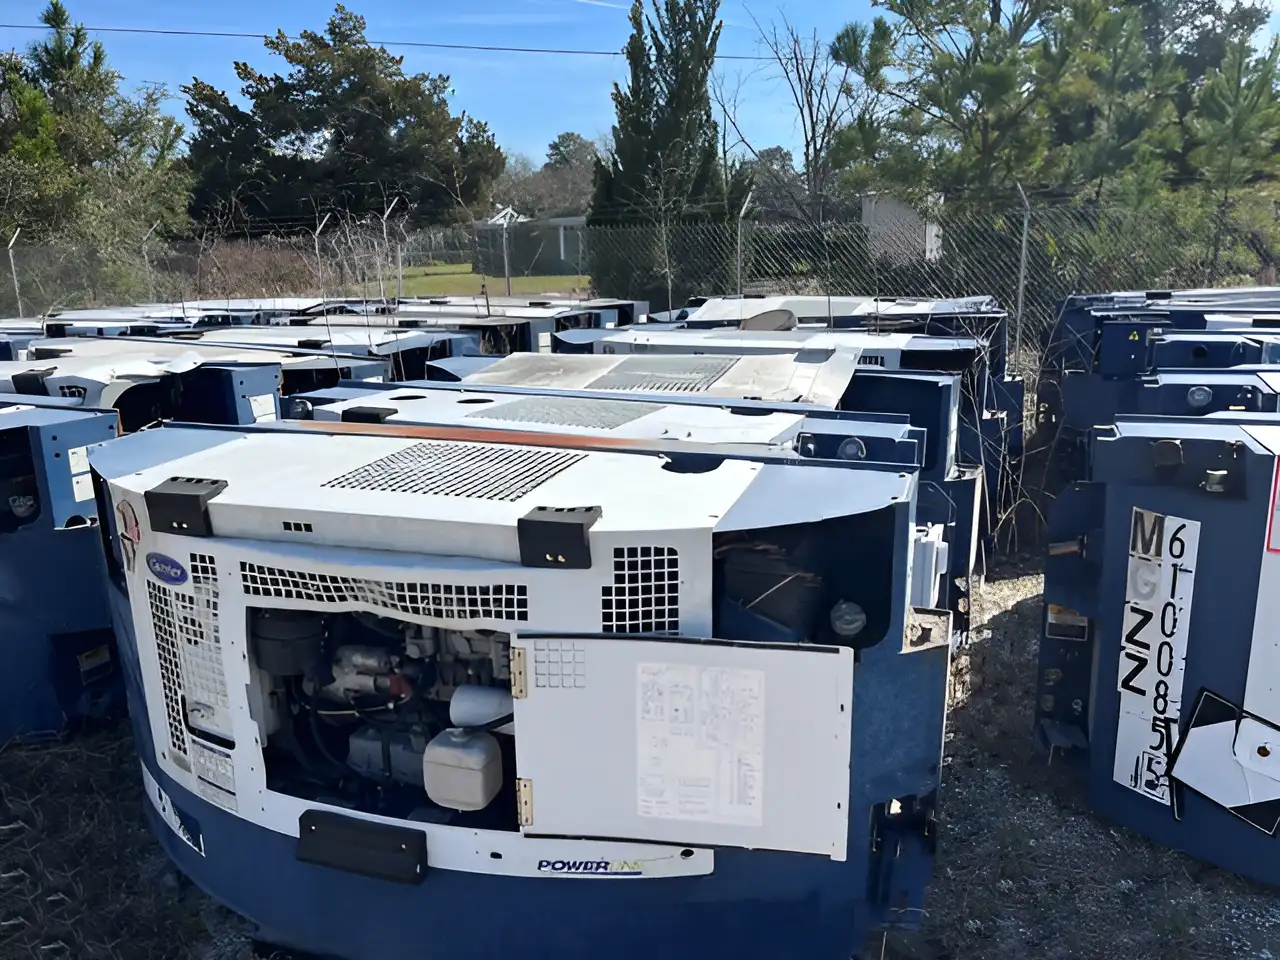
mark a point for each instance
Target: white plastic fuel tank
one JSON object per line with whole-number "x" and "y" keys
{"x": 462, "y": 770}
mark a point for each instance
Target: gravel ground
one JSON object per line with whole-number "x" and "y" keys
{"x": 1025, "y": 871}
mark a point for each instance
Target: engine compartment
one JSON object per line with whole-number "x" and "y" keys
{"x": 388, "y": 717}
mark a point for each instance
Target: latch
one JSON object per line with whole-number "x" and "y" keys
{"x": 904, "y": 835}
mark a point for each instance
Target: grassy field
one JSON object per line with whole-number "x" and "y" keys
{"x": 1025, "y": 870}
{"x": 456, "y": 280}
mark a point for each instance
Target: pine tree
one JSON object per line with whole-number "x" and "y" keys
{"x": 665, "y": 170}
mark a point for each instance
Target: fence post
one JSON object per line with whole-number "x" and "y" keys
{"x": 741, "y": 214}
{"x": 13, "y": 269}
{"x": 506, "y": 258}
{"x": 1022, "y": 276}
{"x": 399, "y": 271}
{"x": 146, "y": 260}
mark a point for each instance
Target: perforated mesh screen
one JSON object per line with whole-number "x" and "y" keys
{"x": 204, "y": 683}
{"x": 441, "y": 601}
{"x": 164, "y": 624}
{"x": 673, "y": 374}
{"x": 570, "y": 412}
{"x": 477, "y": 471}
{"x": 645, "y": 595}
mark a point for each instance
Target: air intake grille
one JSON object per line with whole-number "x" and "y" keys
{"x": 440, "y": 601}
{"x": 189, "y": 650}
{"x": 164, "y": 623}
{"x": 673, "y": 374}
{"x": 476, "y": 471}
{"x": 645, "y": 595}
{"x": 570, "y": 412}
{"x": 204, "y": 682}
{"x": 871, "y": 360}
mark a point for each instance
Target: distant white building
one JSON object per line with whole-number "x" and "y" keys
{"x": 897, "y": 232}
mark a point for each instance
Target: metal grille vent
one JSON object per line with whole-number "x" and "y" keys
{"x": 570, "y": 412}
{"x": 645, "y": 595}
{"x": 440, "y": 601}
{"x": 477, "y": 471}
{"x": 204, "y": 682}
{"x": 164, "y": 623}
{"x": 871, "y": 360}
{"x": 673, "y": 374}
{"x": 72, "y": 390}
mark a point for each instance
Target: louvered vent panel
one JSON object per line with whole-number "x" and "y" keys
{"x": 673, "y": 374}
{"x": 570, "y": 412}
{"x": 440, "y": 601}
{"x": 645, "y": 594}
{"x": 475, "y": 471}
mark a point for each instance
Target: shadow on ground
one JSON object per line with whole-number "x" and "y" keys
{"x": 1025, "y": 869}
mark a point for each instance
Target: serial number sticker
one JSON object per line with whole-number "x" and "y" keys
{"x": 1159, "y": 585}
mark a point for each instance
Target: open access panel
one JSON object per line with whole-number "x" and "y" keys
{"x": 683, "y": 740}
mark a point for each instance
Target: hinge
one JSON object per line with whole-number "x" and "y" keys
{"x": 519, "y": 683}
{"x": 524, "y": 797}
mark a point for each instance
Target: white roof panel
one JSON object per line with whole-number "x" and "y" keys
{"x": 812, "y": 377}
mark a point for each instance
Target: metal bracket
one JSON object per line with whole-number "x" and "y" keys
{"x": 181, "y": 505}
{"x": 557, "y": 537}
{"x": 927, "y": 629}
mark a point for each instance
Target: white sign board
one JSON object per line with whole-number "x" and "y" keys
{"x": 1159, "y": 584}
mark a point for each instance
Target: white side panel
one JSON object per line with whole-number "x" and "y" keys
{"x": 687, "y": 741}
{"x": 1262, "y": 683}
{"x": 1159, "y": 585}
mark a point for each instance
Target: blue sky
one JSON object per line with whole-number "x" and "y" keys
{"x": 526, "y": 99}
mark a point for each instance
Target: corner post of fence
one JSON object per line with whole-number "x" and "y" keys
{"x": 742, "y": 216}
{"x": 13, "y": 269}
{"x": 1022, "y": 275}
{"x": 506, "y": 258}
{"x": 146, "y": 262}
{"x": 399, "y": 271}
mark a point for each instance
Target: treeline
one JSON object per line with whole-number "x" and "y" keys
{"x": 971, "y": 105}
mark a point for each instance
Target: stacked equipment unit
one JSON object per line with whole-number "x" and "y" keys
{"x": 54, "y": 621}
{"x": 391, "y": 678}
{"x": 1156, "y": 658}
{"x": 949, "y": 499}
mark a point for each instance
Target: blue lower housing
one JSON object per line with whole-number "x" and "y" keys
{"x": 756, "y": 904}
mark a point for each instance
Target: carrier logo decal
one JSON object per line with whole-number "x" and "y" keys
{"x": 166, "y": 569}
{"x": 592, "y": 868}
{"x": 130, "y": 533}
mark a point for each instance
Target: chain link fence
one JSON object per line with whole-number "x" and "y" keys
{"x": 1029, "y": 258}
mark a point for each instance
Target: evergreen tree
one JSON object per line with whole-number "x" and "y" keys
{"x": 665, "y": 168}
